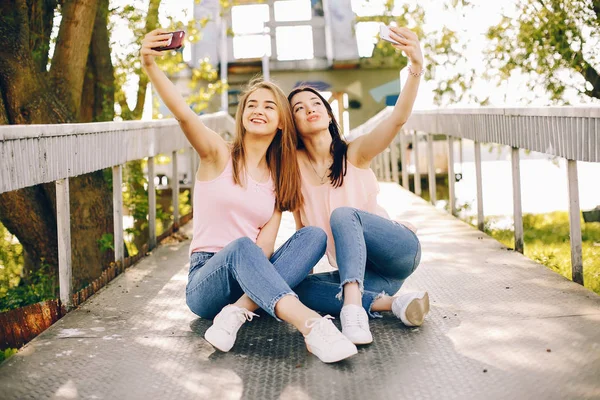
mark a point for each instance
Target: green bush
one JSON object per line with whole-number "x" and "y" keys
{"x": 40, "y": 286}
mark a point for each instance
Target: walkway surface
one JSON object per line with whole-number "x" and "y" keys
{"x": 501, "y": 327}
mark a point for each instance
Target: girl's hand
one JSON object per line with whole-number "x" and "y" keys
{"x": 156, "y": 38}
{"x": 409, "y": 44}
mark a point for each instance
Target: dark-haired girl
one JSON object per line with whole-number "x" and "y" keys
{"x": 373, "y": 254}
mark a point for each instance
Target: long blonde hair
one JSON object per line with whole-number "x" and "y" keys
{"x": 281, "y": 154}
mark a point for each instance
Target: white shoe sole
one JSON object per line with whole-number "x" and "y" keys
{"x": 337, "y": 358}
{"x": 215, "y": 340}
{"x": 416, "y": 311}
{"x": 365, "y": 340}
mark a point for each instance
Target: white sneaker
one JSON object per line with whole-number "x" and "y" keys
{"x": 225, "y": 326}
{"x": 355, "y": 324}
{"x": 411, "y": 308}
{"x": 326, "y": 341}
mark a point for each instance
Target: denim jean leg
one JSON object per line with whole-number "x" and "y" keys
{"x": 210, "y": 288}
{"x": 299, "y": 254}
{"x": 393, "y": 250}
{"x": 254, "y": 273}
{"x": 318, "y": 292}
{"x": 350, "y": 246}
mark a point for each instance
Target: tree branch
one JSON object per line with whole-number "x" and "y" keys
{"x": 151, "y": 24}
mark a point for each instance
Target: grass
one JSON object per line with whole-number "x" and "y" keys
{"x": 547, "y": 242}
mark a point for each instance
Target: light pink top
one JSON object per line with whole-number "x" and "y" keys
{"x": 224, "y": 211}
{"x": 359, "y": 190}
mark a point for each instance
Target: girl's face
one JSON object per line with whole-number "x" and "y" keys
{"x": 261, "y": 113}
{"x": 310, "y": 114}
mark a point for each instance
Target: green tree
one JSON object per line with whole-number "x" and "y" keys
{"x": 554, "y": 42}
{"x": 443, "y": 50}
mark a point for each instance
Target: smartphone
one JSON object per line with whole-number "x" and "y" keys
{"x": 384, "y": 34}
{"x": 176, "y": 42}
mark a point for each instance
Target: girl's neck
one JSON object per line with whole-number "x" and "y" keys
{"x": 317, "y": 147}
{"x": 256, "y": 150}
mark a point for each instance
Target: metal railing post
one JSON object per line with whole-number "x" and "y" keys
{"x": 117, "y": 178}
{"x": 63, "y": 225}
{"x": 431, "y": 169}
{"x": 151, "y": 205}
{"x": 478, "y": 178}
{"x": 517, "y": 209}
{"x": 575, "y": 222}
{"x": 417, "y": 175}
{"x": 451, "y": 179}
{"x": 175, "y": 189}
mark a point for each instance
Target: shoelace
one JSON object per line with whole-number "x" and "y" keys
{"x": 328, "y": 331}
{"x": 237, "y": 318}
{"x": 355, "y": 320}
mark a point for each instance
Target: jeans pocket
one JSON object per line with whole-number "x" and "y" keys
{"x": 198, "y": 259}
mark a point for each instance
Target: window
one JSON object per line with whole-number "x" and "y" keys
{"x": 366, "y": 37}
{"x": 248, "y": 24}
{"x": 294, "y": 42}
{"x": 249, "y": 19}
{"x": 293, "y": 10}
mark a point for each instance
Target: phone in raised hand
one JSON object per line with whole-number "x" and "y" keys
{"x": 384, "y": 34}
{"x": 176, "y": 42}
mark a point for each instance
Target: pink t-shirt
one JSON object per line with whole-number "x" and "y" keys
{"x": 224, "y": 211}
{"x": 359, "y": 191}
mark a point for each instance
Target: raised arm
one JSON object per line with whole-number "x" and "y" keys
{"x": 366, "y": 147}
{"x": 210, "y": 146}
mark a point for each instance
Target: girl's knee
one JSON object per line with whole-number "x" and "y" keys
{"x": 341, "y": 215}
{"x": 243, "y": 243}
{"x": 314, "y": 234}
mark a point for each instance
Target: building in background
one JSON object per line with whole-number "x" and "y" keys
{"x": 317, "y": 42}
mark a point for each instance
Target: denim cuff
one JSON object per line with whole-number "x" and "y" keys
{"x": 271, "y": 308}
{"x": 368, "y": 300}
{"x": 361, "y": 287}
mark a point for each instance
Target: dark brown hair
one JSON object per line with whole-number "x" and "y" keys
{"x": 338, "y": 148}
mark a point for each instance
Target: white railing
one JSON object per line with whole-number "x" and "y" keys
{"x": 34, "y": 154}
{"x": 572, "y": 133}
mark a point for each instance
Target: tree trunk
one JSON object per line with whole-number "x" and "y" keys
{"x": 98, "y": 98}
{"x": 67, "y": 70}
{"x": 30, "y": 213}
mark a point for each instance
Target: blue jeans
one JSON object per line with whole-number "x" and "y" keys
{"x": 218, "y": 279}
{"x": 374, "y": 251}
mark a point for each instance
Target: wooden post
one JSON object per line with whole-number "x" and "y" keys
{"x": 117, "y": 178}
{"x": 386, "y": 164}
{"x": 404, "y": 161}
{"x": 575, "y": 222}
{"x": 63, "y": 225}
{"x": 175, "y": 189}
{"x": 192, "y": 154}
{"x": 451, "y": 179}
{"x": 478, "y": 177}
{"x": 151, "y": 205}
{"x": 394, "y": 154}
{"x": 517, "y": 210}
{"x": 417, "y": 175}
{"x": 431, "y": 169}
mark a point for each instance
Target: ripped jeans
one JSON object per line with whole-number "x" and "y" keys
{"x": 218, "y": 279}
{"x": 374, "y": 251}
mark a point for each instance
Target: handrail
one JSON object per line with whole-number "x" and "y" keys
{"x": 569, "y": 132}
{"x": 34, "y": 154}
